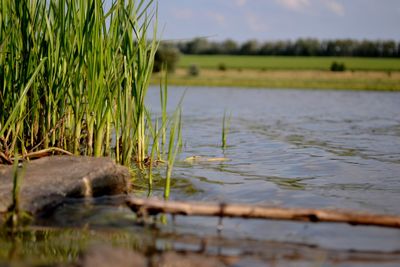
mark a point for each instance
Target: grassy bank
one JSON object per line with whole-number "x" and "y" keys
{"x": 288, "y": 63}
{"x": 288, "y": 72}
{"x": 312, "y": 79}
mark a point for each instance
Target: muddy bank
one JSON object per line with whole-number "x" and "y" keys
{"x": 48, "y": 181}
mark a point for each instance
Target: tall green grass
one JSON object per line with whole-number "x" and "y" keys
{"x": 74, "y": 75}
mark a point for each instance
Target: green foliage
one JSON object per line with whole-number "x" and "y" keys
{"x": 249, "y": 48}
{"x": 299, "y": 47}
{"x": 222, "y": 67}
{"x": 193, "y": 70}
{"x": 337, "y": 66}
{"x": 166, "y": 55}
{"x": 74, "y": 76}
{"x": 197, "y": 46}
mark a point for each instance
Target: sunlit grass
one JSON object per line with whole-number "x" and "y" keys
{"x": 74, "y": 78}
{"x": 73, "y": 74}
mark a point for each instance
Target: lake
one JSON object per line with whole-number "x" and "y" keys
{"x": 290, "y": 148}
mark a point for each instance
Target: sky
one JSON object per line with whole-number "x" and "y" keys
{"x": 266, "y": 20}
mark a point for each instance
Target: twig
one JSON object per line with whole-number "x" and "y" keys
{"x": 4, "y": 158}
{"x": 46, "y": 152}
{"x": 153, "y": 207}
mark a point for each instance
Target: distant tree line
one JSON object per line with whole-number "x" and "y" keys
{"x": 300, "y": 47}
{"x": 168, "y": 54}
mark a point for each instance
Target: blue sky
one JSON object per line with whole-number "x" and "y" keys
{"x": 279, "y": 19}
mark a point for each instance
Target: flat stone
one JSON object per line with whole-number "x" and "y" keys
{"x": 46, "y": 182}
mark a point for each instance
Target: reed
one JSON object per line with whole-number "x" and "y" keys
{"x": 175, "y": 141}
{"x": 74, "y": 75}
{"x": 15, "y": 218}
{"x": 159, "y": 153}
{"x": 226, "y": 122}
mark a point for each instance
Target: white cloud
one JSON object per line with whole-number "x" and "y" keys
{"x": 183, "y": 13}
{"x": 335, "y": 7}
{"x": 240, "y": 2}
{"x": 217, "y": 17}
{"x": 296, "y": 5}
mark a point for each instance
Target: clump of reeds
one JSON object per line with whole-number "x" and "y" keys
{"x": 159, "y": 152}
{"x": 74, "y": 75}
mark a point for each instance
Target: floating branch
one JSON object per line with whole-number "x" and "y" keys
{"x": 154, "y": 207}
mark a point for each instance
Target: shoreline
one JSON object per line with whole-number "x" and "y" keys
{"x": 287, "y": 79}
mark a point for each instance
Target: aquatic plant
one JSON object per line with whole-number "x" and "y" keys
{"x": 226, "y": 121}
{"x": 175, "y": 141}
{"x": 158, "y": 134}
{"x": 14, "y": 216}
{"x": 159, "y": 153}
{"x": 74, "y": 75}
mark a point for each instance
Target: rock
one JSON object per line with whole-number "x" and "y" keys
{"x": 105, "y": 256}
{"x": 46, "y": 182}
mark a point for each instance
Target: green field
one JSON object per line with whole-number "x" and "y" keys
{"x": 307, "y": 79}
{"x": 288, "y": 63}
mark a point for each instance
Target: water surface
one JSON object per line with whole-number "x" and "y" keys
{"x": 294, "y": 148}
{"x": 291, "y": 148}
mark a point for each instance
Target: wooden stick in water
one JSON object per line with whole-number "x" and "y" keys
{"x": 154, "y": 207}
